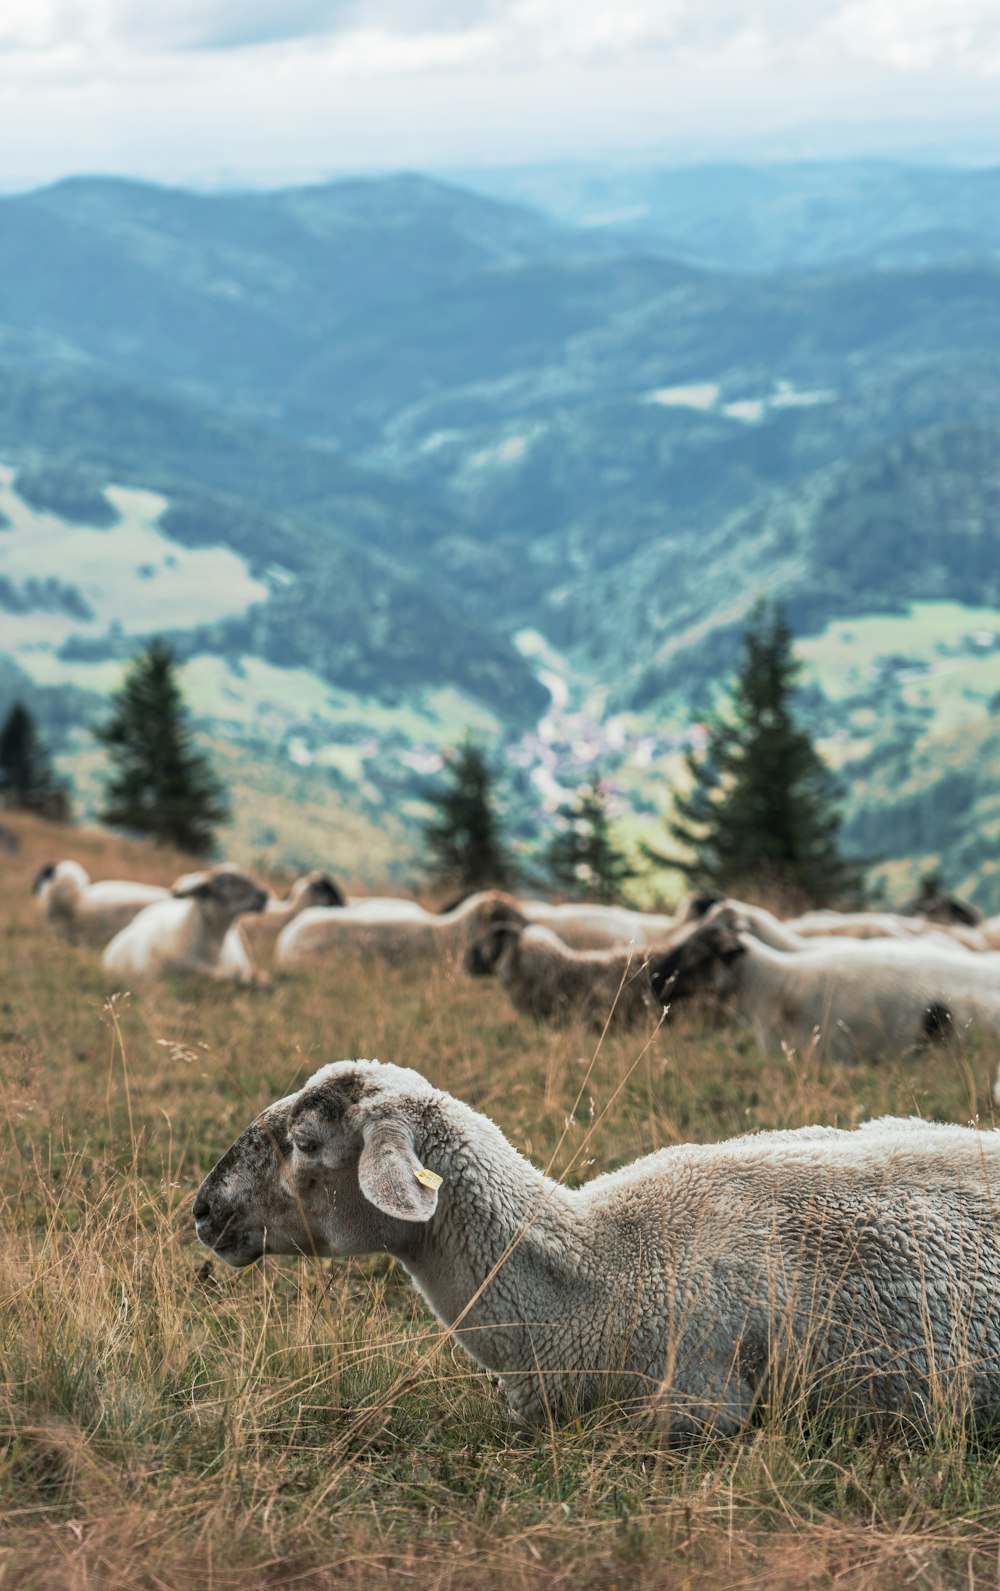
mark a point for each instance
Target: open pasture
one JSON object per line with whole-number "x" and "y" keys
{"x": 167, "y": 1422}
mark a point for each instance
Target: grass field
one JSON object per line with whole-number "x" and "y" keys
{"x": 168, "y": 1423}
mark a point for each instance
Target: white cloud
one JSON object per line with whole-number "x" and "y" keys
{"x": 919, "y": 35}
{"x": 176, "y": 87}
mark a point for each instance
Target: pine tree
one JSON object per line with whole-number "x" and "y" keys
{"x": 161, "y": 785}
{"x": 583, "y": 858}
{"x": 762, "y": 809}
{"x": 27, "y": 779}
{"x": 464, "y": 839}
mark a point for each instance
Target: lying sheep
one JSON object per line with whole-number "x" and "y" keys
{"x": 861, "y": 1267}
{"x": 312, "y": 889}
{"x": 194, "y": 932}
{"x": 395, "y": 929}
{"x": 543, "y": 978}
{"x": 590, "y": 926}
{"x": 71, "y": 903}
{"x": 852, "y": 998}
{"x": 880, "y": 925}
{"x": 783, "y": 936}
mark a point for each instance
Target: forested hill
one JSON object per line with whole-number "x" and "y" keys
{"x": 453, "y": 441}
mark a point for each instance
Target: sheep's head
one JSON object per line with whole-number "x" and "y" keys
{"x": 698, "y": 905}
{"x": 331, "y": 1170}
{"x": 490, "y": 909}
{"x": 486, "y": 951}
{"x": 701, "y": 959}
{"x": 247, "y": 1206}
{"x": 354, "y": 1130}
{"x": 224, "y": 892}
{"x": 319, "y": 889}
{"x": 58, "y": 885}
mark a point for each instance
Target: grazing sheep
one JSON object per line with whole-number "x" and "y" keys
{"x": 395, "y": 929}
{"x": 852, "y": 998}
{"x": 861, "y": 1267}
{"x": 75, "y": 906}
{"x": 194, "y": 932}
{"x": 313, "y": 889}
{"x": 543, "y": 978}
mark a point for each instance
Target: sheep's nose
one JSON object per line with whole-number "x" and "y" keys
{"x": 202, "y": 1209}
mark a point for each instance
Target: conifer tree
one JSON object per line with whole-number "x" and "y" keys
{"x": 27, "y": 779}
{"x": 464, "y": 837}
{"x": 161, "y": 785}
{"x": 762, "y": 809}
{"x": 583, "y": 858}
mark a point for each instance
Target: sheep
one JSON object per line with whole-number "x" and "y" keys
{"x": 934, "y": 904}
{"x": 591, "y": 926}
{"x": 193, "y": 932}
{"x": 881, "y": 925}
{"x": 861, "y": 1267}
{"x": 783, "y": 935}
{"x": 851, "y": 998}
{"x": 543, "y": 978}
{"x": 75, "y": 906}
{"x": 312, "y": 889}
{"x": 394, "y": 929}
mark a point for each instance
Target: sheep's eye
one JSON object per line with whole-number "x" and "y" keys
{"x": 306, "y": 1143}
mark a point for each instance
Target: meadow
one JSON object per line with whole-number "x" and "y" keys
{"x": 166, "y": 1422}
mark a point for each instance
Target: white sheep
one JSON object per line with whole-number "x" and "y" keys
{"x": 193, "y": 932}
{"x": 591, "y": 926}
{"x": 881, "y": 925}
{"x": 315, "y": 889}
{"x": 782, "y": 935}
{"x": 861, "y": 1267}
{"x": 70, "y": 902}
{"x": 394, "y": 929}
{"x": 544, "y": 978}
{"x": 850, "y": 998}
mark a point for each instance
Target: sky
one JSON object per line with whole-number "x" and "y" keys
{"x": 213, "y": 92}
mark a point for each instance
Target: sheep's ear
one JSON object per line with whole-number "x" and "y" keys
{"x": 190, "y": 884}
{"x": 392, "y": 1178}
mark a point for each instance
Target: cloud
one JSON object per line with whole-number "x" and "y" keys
{"x": 898, "y": 34}
{"x": 235, "y": 24}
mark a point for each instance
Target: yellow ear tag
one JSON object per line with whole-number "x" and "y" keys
{"x": 429, "y": 1179}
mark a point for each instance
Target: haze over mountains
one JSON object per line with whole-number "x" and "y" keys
{"x": 463, "y": 453}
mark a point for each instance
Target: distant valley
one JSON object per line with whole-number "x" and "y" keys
{"x": 387, "y": 459}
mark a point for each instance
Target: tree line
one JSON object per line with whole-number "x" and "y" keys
{"x": 761, "y": 811}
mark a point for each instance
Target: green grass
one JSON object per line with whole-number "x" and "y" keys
{"x": 166, "y": 1422}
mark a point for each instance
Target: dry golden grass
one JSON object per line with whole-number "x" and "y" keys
{"x": 165, "y": 1422}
